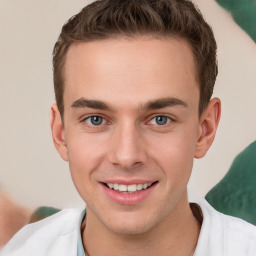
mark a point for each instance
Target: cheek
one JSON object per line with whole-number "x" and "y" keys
{"x": 174, "y": 153}
{"x": 85, "y": 154}
{"x": 84, "y": 149}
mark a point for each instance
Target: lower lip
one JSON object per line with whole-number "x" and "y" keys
{"x": 128, "y": 198}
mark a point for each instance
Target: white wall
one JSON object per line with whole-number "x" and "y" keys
{"x": 30, "y": 168}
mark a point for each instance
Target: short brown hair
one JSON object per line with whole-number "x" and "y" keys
{"x": 132, "y": 18}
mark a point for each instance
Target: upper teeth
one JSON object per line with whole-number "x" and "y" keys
{"x": 128, "y": 188}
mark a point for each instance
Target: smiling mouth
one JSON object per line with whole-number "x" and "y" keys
{"x": 132, "y": 188}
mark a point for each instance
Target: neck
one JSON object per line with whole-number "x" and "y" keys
{"x": 176, "y": 235}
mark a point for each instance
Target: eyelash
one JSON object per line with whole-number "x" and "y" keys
{"x": 169, "y": 120}
{"x": 104, "y": 120}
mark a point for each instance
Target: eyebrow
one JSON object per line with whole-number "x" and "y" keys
{"x": 150, "y": 105}
{"x": 85, "y": 103}
{"x": 164, "y": 103}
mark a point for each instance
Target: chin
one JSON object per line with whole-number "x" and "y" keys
{"x": 133, "y": 225}
{"x": 131, "y": 229}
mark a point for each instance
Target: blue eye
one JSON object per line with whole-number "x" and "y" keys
{"x": 160, "y": 120}
{"x": 95, "y": 120}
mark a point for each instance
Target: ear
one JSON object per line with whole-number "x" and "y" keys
{"x": 209, "y": 121}
{"x": 58, "y": 132}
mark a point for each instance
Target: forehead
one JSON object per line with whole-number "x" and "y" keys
{"x": 125, "y": 68}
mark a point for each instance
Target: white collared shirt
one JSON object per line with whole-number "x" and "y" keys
{"x": 59, "y": 234}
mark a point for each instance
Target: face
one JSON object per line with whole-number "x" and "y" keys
{"x": 131, "y": 129}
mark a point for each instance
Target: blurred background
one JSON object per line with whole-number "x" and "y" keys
{"x": 31, "y": 171}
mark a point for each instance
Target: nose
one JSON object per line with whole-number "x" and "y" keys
{"x": 126, "y": 148}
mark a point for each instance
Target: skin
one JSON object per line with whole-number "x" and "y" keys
{"x": 127, "y": 75}
{"x": 12, "y": 218}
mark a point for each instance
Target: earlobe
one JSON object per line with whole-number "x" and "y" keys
{"x": 58, "y": 132}
{"x": 208, "y": 126}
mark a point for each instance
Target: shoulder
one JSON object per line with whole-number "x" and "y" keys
{"x": 38, "y": 237}
{"x": 225, "y": 235}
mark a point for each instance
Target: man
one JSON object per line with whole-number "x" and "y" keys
{"x": 133, "y": 82}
